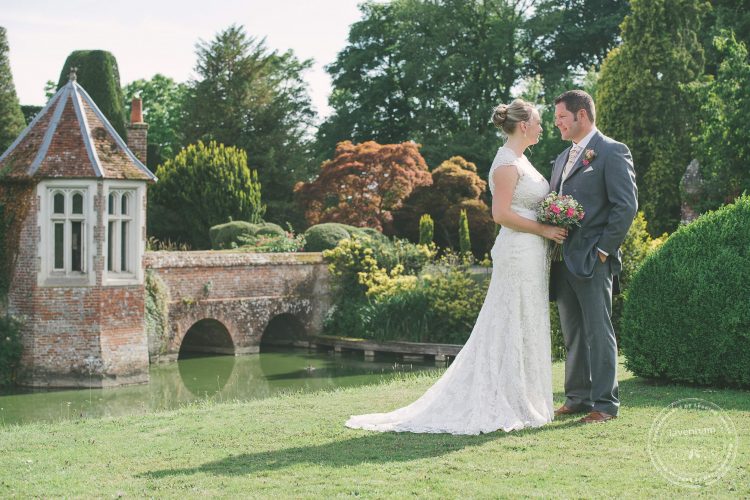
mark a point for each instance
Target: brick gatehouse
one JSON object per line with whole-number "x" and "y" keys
{"x": 77, "y": 280}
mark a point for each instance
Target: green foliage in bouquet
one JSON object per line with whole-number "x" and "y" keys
{"x": 686, "y": 315}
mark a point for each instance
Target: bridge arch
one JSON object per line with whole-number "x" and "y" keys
{"x": 207, "y": 336}
{"x": 253, "y": 296}
{"x": 283, "y": 330}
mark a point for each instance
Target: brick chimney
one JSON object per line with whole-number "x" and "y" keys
{"x": 137, "y": 130}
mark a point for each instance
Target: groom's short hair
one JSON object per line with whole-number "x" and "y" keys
{"x": 576, "y": 100}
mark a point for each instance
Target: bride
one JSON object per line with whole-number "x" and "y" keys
{"x": 502, "y": 377}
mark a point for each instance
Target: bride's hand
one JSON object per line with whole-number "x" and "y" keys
{"x": 555, "y": 233}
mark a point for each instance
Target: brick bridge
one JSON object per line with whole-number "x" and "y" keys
{"x": 227, "y": 302}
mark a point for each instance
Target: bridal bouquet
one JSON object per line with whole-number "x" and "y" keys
{"x": 559, "y": 210}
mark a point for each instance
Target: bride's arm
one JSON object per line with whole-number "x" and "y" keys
{"x": 505, "y": 178}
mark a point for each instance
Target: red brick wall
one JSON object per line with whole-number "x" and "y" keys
{"x": 76, "y": 336}
{"x": 243, "y": 291}
{"x": 138, "y": 140}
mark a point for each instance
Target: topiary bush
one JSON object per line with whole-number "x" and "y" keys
{"x": 97, "y": 73}
{"x": 324, "y": 236}
{"x": 223, "y": 235}
{"x": 426, "y": 229}
{"x": 687, "y": 311}
{"x": 327, "y": 235}
{"x": 269, "y": 229}
{"x": 235, "y": 234}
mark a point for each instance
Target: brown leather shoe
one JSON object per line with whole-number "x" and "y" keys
{"x": 564, "y": 410}
{"x": 596, "y": 417}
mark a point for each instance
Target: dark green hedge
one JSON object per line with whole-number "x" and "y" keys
{"x": 687, "y": 311}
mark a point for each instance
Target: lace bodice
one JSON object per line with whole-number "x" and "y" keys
{"x": 531, "y": 188}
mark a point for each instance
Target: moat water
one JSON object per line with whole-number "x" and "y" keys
{"x": 208, "y": 378}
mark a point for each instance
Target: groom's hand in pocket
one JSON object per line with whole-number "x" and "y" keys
{"x": 602, "y": 256}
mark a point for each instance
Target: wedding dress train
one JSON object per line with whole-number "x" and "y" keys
{"x": 502, "y": 377}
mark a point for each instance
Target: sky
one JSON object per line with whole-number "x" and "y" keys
{"x": 159, "y": 36}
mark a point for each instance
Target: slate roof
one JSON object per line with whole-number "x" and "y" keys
{"x": 71, "y": 138}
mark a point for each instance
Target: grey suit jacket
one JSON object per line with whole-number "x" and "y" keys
{"x": 606, "y": 188}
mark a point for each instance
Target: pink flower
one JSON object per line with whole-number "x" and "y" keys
{"x": 580, "y": 216}
{"x": 555, "y": 209}
{"x": 570, "y": 212}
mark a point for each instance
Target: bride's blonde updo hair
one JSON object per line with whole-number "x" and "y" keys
{"x": 507, "y": 116}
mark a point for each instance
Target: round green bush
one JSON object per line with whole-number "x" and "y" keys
{"x": 236, "y": 233}
{"x": 269, "y": 229}
{"x": 366, "y": 231}
{"x": 687, "y": 310}
{"x": 223, "y": 235}
{"x": 324, "y": 236}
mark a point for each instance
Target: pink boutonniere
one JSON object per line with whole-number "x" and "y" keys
{"x": 588, "y": 157}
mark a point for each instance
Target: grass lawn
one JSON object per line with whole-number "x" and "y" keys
{"x": 296, "y": 446}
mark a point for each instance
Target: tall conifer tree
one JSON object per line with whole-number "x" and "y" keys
{"x": 11, "y": 118}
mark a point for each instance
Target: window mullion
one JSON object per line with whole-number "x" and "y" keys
{"x": 67, "y": 240}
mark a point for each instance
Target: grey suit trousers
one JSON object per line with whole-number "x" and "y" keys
{"x": 585, "y": 307}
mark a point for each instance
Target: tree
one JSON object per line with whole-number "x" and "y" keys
{"x": 204, "y": 185}
{"x": 363, "y": 184}
{"x": 426, "y": 229}
{"x": 464, "y": 239}
{"x": 97, "y": 73}
{"x": 30, "y": 111}
{"x": 722, "y": 145}
{"x": 251, "y": 97}
{"x": 726, "y": 16}
{"x": 163, "y": 101}
{"x": 12, "y": 121}
{"x": 567, "y": 35}
{"x": 455, "y": 186}
{"x": 642, "y": 101}
{"x": 427, "y": 71}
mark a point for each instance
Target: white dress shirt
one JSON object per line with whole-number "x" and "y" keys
{"x": 582, "y": 145}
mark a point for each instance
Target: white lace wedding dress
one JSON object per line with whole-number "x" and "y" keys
{"x": 502, "y": 378}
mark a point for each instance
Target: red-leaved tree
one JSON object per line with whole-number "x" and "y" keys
{"x": 455, "y": 186}
{"x": 363, "y": 184}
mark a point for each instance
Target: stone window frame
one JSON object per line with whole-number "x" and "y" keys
{"x": 113, "y": 274}
{"x": 49, "y": 274}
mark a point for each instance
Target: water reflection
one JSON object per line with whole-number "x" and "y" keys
{"x": 204, "y": 378}
{"x": 219, "y": 378}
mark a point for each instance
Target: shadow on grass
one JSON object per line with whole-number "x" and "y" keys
{"x": 374, "y": 448}
{"x": 638, "y": 392}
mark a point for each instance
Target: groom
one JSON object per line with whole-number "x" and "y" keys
{"x": 598, "y": 172}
